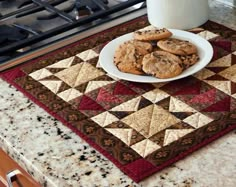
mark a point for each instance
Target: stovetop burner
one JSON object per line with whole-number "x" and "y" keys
{"x": 33, "y": 24}
{"x": 11, "y": 34}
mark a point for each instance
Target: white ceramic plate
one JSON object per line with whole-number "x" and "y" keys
{"x": 205, "y": 52}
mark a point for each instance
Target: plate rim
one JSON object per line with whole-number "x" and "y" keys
{"x": 150, "y": 79}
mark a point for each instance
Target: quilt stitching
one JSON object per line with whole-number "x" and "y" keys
{"x": 155, "y": 113}
{"x": 135, "y": 122}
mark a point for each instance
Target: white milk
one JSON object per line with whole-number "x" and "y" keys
{"x": 177, "y": 14}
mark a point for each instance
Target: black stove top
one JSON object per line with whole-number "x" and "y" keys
{"x": 27, "y": 25}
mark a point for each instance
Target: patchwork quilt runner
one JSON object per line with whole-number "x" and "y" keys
{"x": 141, "y": 128}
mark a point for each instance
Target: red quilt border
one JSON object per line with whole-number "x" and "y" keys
{"x": 11, "y": 74}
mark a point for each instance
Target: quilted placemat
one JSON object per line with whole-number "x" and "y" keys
{"x": 141, "y": 128}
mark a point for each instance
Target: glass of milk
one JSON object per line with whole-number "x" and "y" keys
{"x": 177, "y": 14}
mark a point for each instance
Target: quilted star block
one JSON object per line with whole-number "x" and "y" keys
{"x": 79, "y": 74}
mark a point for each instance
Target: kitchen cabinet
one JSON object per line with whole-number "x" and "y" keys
{"x": 21, "y": 179}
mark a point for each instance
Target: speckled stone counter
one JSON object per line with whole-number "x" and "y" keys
{"x": 56, "y": 156}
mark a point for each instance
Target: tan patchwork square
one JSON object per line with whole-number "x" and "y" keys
{"x": 87, "y": 55}
{"x": 207, "y": 35}
{"x": 150, "y": 120}
{"x": 79, "y": 74}
{"x": 65, "y": 63}
{"x": 229, "y": 73}
{"x": 40, "y": 74}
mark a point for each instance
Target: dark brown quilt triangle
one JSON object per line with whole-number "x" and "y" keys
{"x": 217, "y": 77}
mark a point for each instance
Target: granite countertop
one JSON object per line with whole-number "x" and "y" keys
{"x": 56, "y": 156}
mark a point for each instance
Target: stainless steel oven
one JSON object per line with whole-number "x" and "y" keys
{"x": 30, "y": 28}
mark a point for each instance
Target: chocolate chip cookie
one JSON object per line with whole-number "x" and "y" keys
{"x": 189, "y": 60}
{"x": 149, "y": 35}
{"x": 162, "y": 64}
{"x": 177, "y": 46}
{"x": 129, "y": 55}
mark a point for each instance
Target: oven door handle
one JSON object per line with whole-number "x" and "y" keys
{"x": 11, "y": 175}
{"x": 18, "y": 178}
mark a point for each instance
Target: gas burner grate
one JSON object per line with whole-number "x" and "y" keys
{"x": 29, "y": 7}
{"x": 52, "y": 15}
{"x": 9, "y": 34}
{"x": 97, "y": 13}
{"x": 92, "y": 5}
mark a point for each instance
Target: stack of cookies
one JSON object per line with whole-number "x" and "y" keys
{"x": 155, "y": 53}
